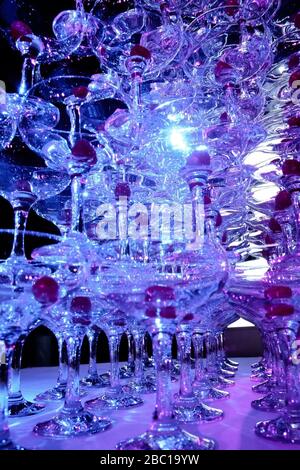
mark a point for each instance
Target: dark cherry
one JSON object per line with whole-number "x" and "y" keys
{"x": 168, "y": 313}
{"x": 294, "y": 60}
{"x": 283, "y": 200}
{"x": 122, "y": 190}
{"x": 85, "y": 152}
{"x": 274, "y": 225}
{"x": 224, "y": 237}
{"x": 19, "y": 29}
{"x": 232, "y": 3}
{"x": 291, "y": 167}
{"x": 297, "y": 20}
{"x": 221, "y": 69}
{"x": 279, "y": 310}
{"x": 46, "y": 290}
{"x": 81, "y": 305}
{"x": 206, "y": 199}
{"x": 269, "y": 240}
{"x": 80, "y": 92}
{"x": 295, "y": 76}
{"x": 278, "y": 292}
{"x": 294, "y": 121}
{"x": 155, "y": 293}
{"x": 188, "y": 317}
{"x": 218, "y": 220}
{"x": 140, "y": 51}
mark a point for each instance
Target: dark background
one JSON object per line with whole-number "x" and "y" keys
{"x": 40, "y": 347}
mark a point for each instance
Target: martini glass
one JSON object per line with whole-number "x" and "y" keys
{"x": 73, "y": 315}
{"x": 19, "y": 312}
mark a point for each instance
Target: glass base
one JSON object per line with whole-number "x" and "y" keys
{"x": 56, "y": 393}
{"x": 221, "y": 382}
{"x": 228, "y": 374}
{"x": 263, "y": 387}
{"x": 114, "y": 400}
{"x": 149, "y": 363}
{"x": 281, "y": 428}
{"x": 229, "y": 367}
{"x": 274, "y": 401}
{"x": 9, "y": 445}
{"x": 211, "y": 393}
{"x": 95, "y": 381}
{"x": 126, "y": 372}
{"x": 80, "y": 423}
{"x": 147, "y": 385}
{"x": 257, "y": 364}
{"x": 175, "y": 439}
{"x": 259, "y": 377}
{"x": 22, "y": 407}
{"x": 190, "y": 410}
{"x": 231, "y": 362}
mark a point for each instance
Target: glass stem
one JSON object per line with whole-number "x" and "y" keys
{"x": 4, "y": 429}
{"x": 93, "y": 341}
{"x": 63, "y": 361}
{"x": 130, "y": 350}
{"x": 21, "y": 217}
{"x": 114, "y": 343}
{"x": 162, "y": 347}
{"x": 139, "y": 346}
{"x": 74, "y": 113}
{"x": 210, "y": 354}
{"x": 287, "y": 338}
{"x": 198, "y": 343}
{"x": 184, "y": 348}
{"x": 14, "y": 372}
{"x": 28, "y": 74}
{"x": 72, "y": 398}
{"x": 77, "y": 188}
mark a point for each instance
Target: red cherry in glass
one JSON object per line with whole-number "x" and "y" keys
{"x": 80, "y": 92}
{"x": 222, "y": 69}
{"x": 23, "y": 185}
{"x": 207, "y": 199}
{"x": 140, "y": 51}
{"x": 278, "y": 292}
{"x": 81, "y": 305}
{"x": 85, "y": 152}
{"x": 297, "y": 20}
{"x": 188, "y": 317}
{"x": 294, "y": 61}
{"x": 295, "y": 77}
{"x": 269, "y": 240}
{"x": 122, "y": 190}
{"x": 279, "y": 310}
{"x": 19, "y": 29}
{"x": 219, "y": 220}
{"x": 283, "y": 200}
{"x": 46, "y": 290}
{"x": 151, "y": 312}
{"x": 225, "y": 117}
{"x": 291, "y": 167}
{"x": 274, "y": 225}
{"x": 224, "y": 237}
{"x": 199, "y": 158}
{"x": 156, "y": 293}
{"x": 231, "y": 3}
{"x": 294, "y": 121}
{"x": 168, "y": 312}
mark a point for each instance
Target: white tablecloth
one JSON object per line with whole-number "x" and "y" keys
{"x": 234, "y": 432}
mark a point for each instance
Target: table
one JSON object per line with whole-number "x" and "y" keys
{"x": 234, "y": 432}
